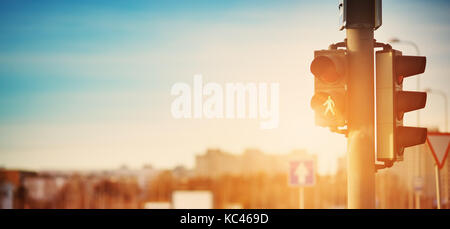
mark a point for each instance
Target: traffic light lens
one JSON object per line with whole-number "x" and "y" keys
{"x": 326, "y": 105}
{"x": 325, "y": 69}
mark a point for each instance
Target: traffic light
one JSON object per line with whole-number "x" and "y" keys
{"x": 393, "y": 102}
{"x": 330, "y": 85}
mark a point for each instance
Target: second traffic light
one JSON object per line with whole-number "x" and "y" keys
{"x": 393, "y": 102}
{"x": 330, "y": 85}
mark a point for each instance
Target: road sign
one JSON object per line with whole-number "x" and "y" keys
{"x": 439, "y": 144}
{"x": 301, "y": 172}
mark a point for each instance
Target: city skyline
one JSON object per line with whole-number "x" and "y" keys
{"x": 88, "y": 86}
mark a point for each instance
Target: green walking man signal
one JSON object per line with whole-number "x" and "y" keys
{"x": 329, "y": 106}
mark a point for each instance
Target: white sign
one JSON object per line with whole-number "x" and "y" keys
{"x": 439, "y": 144}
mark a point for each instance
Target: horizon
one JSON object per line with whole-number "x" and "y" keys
{"x": 88, "y": 85}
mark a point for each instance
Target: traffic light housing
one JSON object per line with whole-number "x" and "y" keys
{"x": 392, "y": 102}
{"x": 329, "y": 68}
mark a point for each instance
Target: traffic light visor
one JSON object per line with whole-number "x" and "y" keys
{"x": 411, "y": 136}
{"x": 410, "y": 101}
{"x": 410, "y": 65}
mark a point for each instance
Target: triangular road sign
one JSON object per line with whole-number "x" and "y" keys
{"x": 439, "y": 144}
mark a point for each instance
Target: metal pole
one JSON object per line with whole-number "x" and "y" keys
{"x": 361, "y": 146}
{"x": 438, "y": 186}
{"x": 417, "y": 199}
{"x": 302, "y": 198}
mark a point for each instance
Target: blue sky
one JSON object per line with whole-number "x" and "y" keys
{"x": 86, "y": 84}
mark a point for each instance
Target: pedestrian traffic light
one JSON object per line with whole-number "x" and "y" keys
{"x": 330, "y": 84}
{"x": 393, "y": 102}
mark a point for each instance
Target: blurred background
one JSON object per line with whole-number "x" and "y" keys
{"x": 85, "y": 100}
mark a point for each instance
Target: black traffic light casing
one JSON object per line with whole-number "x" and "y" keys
{"x": 393, "y": 102}
{"x": 329, "y": 68}
{"x": 360, "y": 14}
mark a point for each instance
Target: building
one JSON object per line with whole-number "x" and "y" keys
{"x": 13, "y": 192}
{"x": 215, "y": 162}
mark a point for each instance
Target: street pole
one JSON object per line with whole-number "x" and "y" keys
{"x": 302, "y": 197}
{"x": 361, "y": 146}
{"x": 417, "y": 199}
{"x": 438, "y": 186}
